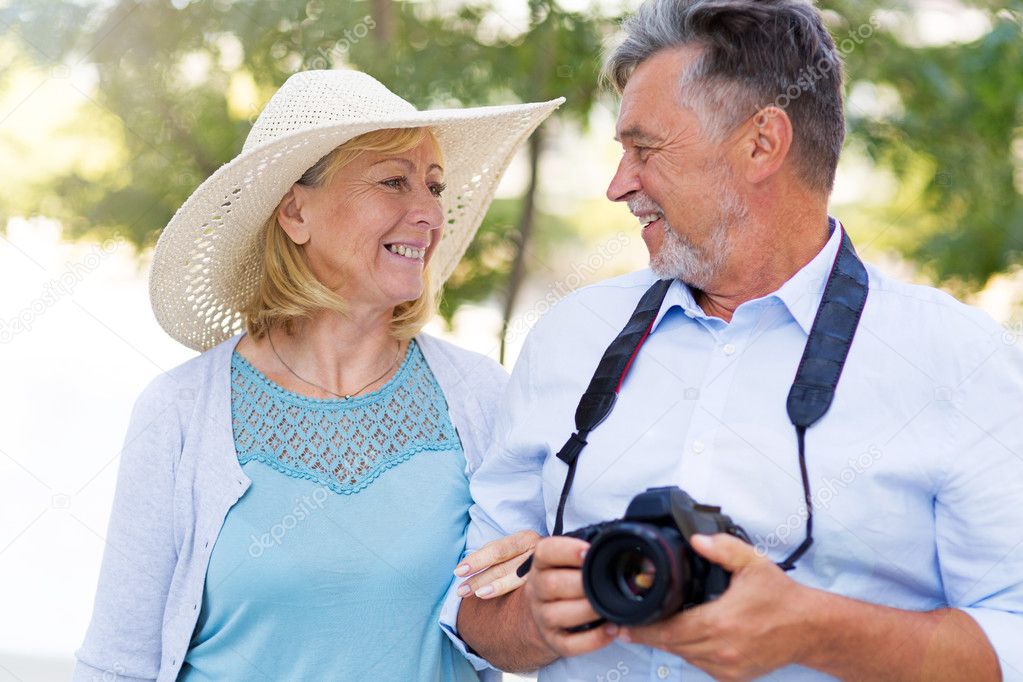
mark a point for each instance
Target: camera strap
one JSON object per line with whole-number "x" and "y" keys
{"x": 812, "y": 392}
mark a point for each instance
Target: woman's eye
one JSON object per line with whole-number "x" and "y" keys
{"x": 395, "y": 183}
{"x": 438, "y": 188}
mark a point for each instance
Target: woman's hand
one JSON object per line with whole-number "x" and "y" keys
{"x": 493, "y": 566}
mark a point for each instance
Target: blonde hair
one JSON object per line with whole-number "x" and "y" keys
{"x": 288, "y": 290}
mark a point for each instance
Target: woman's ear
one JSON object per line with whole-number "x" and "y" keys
{"x": 765, "y": 144}
{"x": 290, "y": 215}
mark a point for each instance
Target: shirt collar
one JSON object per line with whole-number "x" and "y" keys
{"x": 679, "y": 295}
{"x": 801, "y": 294}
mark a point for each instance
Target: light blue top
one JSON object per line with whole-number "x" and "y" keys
{"x": 334, "y": 562}
{"x": 178, "y": 477}
{"x": 916, "y": 471}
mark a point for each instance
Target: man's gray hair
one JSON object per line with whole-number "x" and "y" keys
{"x": 754, "y": 53}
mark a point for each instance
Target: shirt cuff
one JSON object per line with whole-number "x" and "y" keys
{"x": 449, "y": 624}
{"x": 1004, "y": 630}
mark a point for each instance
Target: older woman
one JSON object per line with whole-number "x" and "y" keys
{"x": 292, "y": 502}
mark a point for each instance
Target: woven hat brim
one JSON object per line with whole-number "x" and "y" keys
{"x": 206, "y": 265}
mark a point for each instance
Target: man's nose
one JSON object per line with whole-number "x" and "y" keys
{"x": 624, "y": 182}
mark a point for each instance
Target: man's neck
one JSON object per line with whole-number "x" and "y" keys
{"x": 766, "y": 254}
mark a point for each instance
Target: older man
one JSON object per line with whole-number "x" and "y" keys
{"x": 731, "y": 123}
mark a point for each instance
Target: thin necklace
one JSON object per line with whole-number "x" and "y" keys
{"x": 347, "y": 396}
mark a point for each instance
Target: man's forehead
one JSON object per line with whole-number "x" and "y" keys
{"x": 652, "y": 87}
{"x": 633, "y": 132}
{"x": 643, "y": 120}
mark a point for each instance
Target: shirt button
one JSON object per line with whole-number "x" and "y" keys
{"x": 663, "y": 672}
{"x": 728, "y": 349}
{"x": 698, "y": 447}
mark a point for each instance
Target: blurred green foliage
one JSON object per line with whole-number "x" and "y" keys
{"x": 956, "y": 136}
{"x": 180, "y": 127}
{"x": 185, "y": 79}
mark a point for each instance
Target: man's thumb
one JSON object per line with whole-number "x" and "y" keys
{"x": 729, "y": 552}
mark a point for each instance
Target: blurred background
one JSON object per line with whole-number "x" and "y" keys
{"x": 113, "y": 111}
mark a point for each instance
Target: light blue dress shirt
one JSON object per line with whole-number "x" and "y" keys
{"x": 916, "y": 470}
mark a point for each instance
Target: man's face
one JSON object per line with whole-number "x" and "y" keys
{"x": 675, "y": 179}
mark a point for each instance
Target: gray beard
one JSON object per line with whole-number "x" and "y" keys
{"x": 698, "y": 267}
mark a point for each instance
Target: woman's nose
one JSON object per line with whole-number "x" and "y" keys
{"x": 427, "y": 213}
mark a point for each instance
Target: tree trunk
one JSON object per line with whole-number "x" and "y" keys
{"x": 383, "y": 15}
{"x": 525, "y": 230}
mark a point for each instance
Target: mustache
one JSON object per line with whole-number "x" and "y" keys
{"x": 642, "y": 205}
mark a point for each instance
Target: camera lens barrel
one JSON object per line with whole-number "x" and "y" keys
{"x": 636, "y": 573}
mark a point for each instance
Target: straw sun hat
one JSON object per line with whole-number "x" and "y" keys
{"x": 206, "y": 265}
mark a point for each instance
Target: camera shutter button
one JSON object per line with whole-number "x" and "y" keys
{"x": 663, "y": 672}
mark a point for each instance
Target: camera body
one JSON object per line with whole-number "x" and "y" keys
{"x": 641, "y": 568}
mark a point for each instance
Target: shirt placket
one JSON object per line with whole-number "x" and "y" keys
{"x": 696, "y": 466}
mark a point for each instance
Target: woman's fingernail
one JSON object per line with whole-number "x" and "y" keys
{"x": 485, "y": 591}
{"x": 462, "y": 570}
{"x": 463, "y": 590}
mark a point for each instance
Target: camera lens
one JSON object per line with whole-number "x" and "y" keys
{"x": 634, "y": 573}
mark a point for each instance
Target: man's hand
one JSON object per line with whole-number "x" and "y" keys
{"x": 493, "y": 566}
{"x": 758, "y": 625}
{"x": 554, "y": 593}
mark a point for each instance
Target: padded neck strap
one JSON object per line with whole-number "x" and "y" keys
{"x": 812, "y": 392}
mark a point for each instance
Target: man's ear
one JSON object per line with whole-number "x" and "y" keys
{"x": 290, "y": 215}
{"x": 764, "y": 144}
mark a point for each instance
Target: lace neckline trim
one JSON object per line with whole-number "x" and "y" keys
{"x": 239, "y": 362}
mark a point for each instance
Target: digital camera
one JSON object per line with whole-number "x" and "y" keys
{"x": 641, "y": 568}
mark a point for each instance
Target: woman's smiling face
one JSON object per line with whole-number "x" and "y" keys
{"x": 369, "y": 232}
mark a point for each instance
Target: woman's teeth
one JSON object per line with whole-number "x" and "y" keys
{"x": 407, "y": 251}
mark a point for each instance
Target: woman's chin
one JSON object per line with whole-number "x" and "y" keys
{"x": 403, "y": 294}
